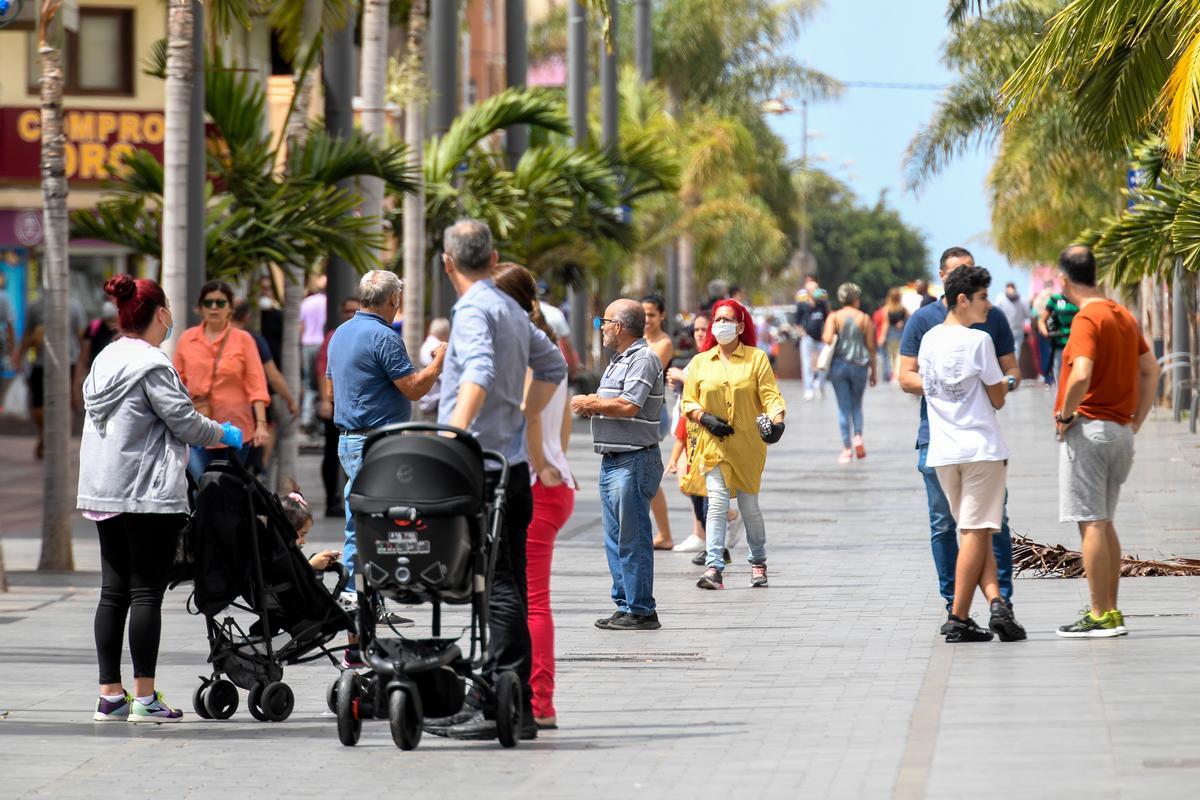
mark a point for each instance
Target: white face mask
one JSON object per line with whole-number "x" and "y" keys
{"x": 724, "y": 331}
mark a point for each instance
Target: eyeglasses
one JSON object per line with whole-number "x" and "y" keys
{"x": 604, "y": 321}
{"x": 219, "y": 302}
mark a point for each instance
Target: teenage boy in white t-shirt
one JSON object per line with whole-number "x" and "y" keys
{"x": 963, "y": 387}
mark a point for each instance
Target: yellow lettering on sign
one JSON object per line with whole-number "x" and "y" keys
{"x": 29, "y": 126}
{"x": 80, "y": 126}
{"x": 71, "y": 157}
{"x": 130, "y": 129}
{"x": 115, "y": 154}
{"x": 153, "y": 128}
{"x": 107, "y": 127}
{"x": 91, "y": 161}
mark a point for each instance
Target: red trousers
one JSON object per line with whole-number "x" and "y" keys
{"x": 552, "y": 508}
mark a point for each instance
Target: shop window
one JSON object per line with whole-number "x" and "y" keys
{"x": 98, "y": 59}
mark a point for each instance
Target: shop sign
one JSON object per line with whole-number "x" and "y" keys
{"x": 96, "y": 141}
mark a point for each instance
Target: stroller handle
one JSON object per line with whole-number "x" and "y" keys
{"x": 419, "y": 427}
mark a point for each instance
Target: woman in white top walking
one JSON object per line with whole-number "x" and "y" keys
{"x": 546, "y": 435}
{"x": 964, "y": 386}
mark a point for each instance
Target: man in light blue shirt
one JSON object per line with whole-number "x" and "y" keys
{"x": 492, "y": 346}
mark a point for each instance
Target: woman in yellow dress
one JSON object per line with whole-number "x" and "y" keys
{"x": 732, "y": 398}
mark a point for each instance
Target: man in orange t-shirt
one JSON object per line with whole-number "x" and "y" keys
{"x": 1107, "y": 387}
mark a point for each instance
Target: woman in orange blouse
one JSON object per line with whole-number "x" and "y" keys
{"x": 233, "y": 388}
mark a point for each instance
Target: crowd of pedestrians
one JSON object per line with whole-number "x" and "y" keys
{"x": 499, "y": 368}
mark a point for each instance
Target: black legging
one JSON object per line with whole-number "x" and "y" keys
{"x": 331, "y": 468}
{"x": 136, "y": 552}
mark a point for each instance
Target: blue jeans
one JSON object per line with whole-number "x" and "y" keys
{"x": 200, "y": 457}
{"x": 628, "y": 482}
{"x": 943, "y": 536}
{"x": 718, "y": 522}
{"x": 849, "y": 382}
{"x": 810, "y": 349}
{"x": 350, "y": 447}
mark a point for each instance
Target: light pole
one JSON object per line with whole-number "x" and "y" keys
{"x": 516, "y": 72}
{"x": 443, "y": 70}
{"x": 577, "y": 111}
{"x": 340, "y": 78}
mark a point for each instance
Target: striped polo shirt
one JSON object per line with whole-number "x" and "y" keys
{"x": 637, "y": 376}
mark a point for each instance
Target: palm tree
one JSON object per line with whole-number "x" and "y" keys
{"x": 373, "y": 83}
{"x": 56, "y": 510}
{"x": 414, "y": 202}
{"x": 1132, "y": 68}
{"x": 1048, "y": 181}
{"x": 176, "y": 148}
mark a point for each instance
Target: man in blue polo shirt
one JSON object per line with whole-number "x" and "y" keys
{"x": 373, "y": 383}
{"x": 943, "y": 534}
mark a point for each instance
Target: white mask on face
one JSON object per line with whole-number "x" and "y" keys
{"x": 724, "y": 331}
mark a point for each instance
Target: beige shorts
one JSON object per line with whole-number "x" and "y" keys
{"x": 976, "y": 493}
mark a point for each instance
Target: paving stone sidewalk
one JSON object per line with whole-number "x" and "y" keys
{"x": 831, "y": 683}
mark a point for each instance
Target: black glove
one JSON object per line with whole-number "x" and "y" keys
{"x": 716, "y": 426}
{"x": 769, "y": 431}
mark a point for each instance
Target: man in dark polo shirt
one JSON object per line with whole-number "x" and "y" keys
{"x": 624, "y": 415}
{"x": 373, "y": 383}
{"x": 943, "y": 533}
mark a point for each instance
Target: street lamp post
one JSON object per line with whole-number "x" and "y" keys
{"x": 443, "y": 71}
{"x": 577, "y": 111}
{"x": 516, "y": 71}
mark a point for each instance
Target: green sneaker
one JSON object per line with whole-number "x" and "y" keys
{"x": 1088, "y": 627}
{"x": 1119, "y": 618}
{"x": 156, "y": 711}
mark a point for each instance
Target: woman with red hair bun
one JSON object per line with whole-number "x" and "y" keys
{"x": 732, "y": 398}
{"x": 138, "y": 423}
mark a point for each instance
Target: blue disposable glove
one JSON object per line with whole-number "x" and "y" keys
{"x": 231, "y": 436}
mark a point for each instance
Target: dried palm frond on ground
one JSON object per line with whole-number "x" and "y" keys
{"x": 1047, "y": 561}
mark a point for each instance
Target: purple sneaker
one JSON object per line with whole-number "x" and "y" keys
{"x": 112, "y": 710}
{"x": 156, "y": 711}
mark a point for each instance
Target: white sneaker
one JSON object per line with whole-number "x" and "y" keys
{"x": 692, "y": 544}
{"x": 348, "y": 601}
{"x": 733, "y": 531}
{"x": 808, "y": 395}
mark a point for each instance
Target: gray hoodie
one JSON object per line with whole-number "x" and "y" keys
{"x": 139, "y": 420}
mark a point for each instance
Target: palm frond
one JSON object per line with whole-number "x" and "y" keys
{"x": 515, "y": 106}
{"x": 322, "y": 158}
{"x": 155, "y": 62}
{"x": 286, "y": 18}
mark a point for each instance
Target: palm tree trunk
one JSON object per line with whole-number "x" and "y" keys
{"x": 180, "y": 74}
{"x": 373, "y": 80}
{"x": 687, "y": 273}
{"x": 414, "y": 202}
{"x": 57, "y": 489}
{"x": 287, "y": 447}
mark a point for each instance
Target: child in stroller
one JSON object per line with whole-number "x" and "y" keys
{"x": 426, "y": 533}
{"x": 244, "y": 546}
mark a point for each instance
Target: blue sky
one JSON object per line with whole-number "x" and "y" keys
{"x": 864, "y": 133}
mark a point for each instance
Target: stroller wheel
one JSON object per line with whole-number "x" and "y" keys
{"x": 404, "y": 714}
{"x": 278, "y": 701}
{"x": 221, "y": 699}
{"x": 349, "y": 726}
{"x": 331, "y": 695}
{"x": 254, "y": 703}
{"x": 508, "y": 709}
{"x": 198, "y": 702}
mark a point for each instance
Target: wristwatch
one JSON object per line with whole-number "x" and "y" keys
{"x": 1012, "y": 383}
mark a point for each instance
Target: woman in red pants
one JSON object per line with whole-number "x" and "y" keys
{"x": 546, "y": 436}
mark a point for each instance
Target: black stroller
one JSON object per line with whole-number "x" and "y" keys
{"x": 426, "y": 532}
{"x": 244, "y": 548}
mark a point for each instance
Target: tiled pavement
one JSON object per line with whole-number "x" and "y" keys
{"x": 832, "y": 683}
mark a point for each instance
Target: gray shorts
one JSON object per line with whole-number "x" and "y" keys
{"x": 1093, "y": 462}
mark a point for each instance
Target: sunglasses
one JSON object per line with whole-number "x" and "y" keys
{"x": 604, "y": 321}
{"x": 219, "y": 302}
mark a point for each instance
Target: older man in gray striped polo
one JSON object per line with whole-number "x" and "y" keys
{"x": 624, "y": 416}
